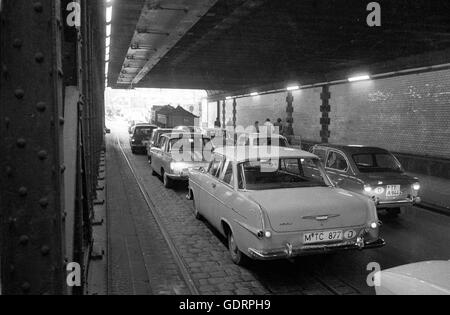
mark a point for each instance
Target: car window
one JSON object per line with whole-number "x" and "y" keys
{"x": 215, "y": 165}
{"x": 336, "y": 161}
{"x": 321, "y": 153}
{"x": 374, "y": 162}
{"x": 228, "y": 176}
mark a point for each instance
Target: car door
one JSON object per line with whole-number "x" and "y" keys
{"x": 225, "y": 194}
{"x": 211, "y": 197}
{"x": 157, "y": 154}
{"x": 338, "y": 169}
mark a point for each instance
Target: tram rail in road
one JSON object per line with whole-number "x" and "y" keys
{"x": 154, "y": 211}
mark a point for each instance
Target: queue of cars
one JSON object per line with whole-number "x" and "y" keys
{"x": 273, "y": 201}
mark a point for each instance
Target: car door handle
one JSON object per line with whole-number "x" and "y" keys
{"x": 214, "y": 186}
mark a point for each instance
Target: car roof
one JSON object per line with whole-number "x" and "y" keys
{"x": 242, "y": 153}
{"x": 176, "y": 135}
{"x": 354, "y": 149}
{"x": 144, "y": 126}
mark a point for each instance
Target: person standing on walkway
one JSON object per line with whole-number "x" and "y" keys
{"x": 279, "y": 126}
{"x": 256, "y": 126}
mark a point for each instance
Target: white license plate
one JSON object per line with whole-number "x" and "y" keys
{"x": 323, "y": 237}
{"x": 393, "y": 191}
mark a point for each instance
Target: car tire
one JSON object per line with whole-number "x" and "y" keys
{"x": 197, "y": 214}
{"x": 166, "y": 180}
{"x": 236, "y": 255}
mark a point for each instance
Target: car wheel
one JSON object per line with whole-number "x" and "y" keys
{"x": 236, "y": 255}
{"x": 197, "y": 214}
{"x": 166, "y": 180}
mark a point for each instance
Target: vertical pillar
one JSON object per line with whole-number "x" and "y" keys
{"x": 31, "y": 163}
{"x": 289, "y": 133}
{"x": 224, "y": 113}
{"x": 325, "y": 109}
{"x": 217, "y": 123}
{"x": 234, "y": 113}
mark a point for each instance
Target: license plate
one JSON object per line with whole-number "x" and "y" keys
{"x": 393, "y": 191}
{"x": 323, "y": 237}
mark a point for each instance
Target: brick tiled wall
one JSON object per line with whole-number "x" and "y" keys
{"x": 407, "y": 114}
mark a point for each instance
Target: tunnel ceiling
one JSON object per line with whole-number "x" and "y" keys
{"x": 230, "y": 45}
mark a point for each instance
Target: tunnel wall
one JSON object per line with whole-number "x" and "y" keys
{"x": 408, "y": 115}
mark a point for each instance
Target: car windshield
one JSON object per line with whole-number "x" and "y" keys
{"x": 191, "y": 149}
{"x": 283, "y": 173}
{"x": 145, "y": 132}
{"x": 377, "y": 162}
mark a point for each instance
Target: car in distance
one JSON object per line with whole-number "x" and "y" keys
{"x": 275, "y": 203}
{"x": 140, "y": 135}
{"x": 177, "y": 153}
{"x": 370, "y": 171}
{"x": 156, "y": 137}
{"x": 133, "y": 123}
{"x": 423, "y": 278}
{"x": 187, "y": 129}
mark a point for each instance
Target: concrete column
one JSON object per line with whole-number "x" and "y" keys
{"x": 224, "y": 112}
{"x": 325, "y": 109}
{"x": 289, "y": 132}
{"x": 217, "y": 122}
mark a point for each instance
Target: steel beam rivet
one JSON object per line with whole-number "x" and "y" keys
{"x": 38, "y": 7}
{"x": 45, "y": 250}
{"x": 17, "y": 43}
{"x": 23, "y": 191}
{"x": 21, "y": 143}
{"x": 24, "y": 240}
{"x": 61, "y": 121}
{"x": 43, "y": 155}
{"x": 41, "y": 106}
{"x": 39, "y": 57}
{"x": 12, "y": 221}
{"x": 26, "y": 287}
{"x": 43, "y": 202}
{"x": 19, "y": 93}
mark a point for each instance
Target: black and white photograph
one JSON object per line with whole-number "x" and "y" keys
{"x": 225, "y": 155}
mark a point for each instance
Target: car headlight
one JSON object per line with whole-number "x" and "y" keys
{"x": 367, "y": 188}
{"x": 374, "y": 225}
{"x": 416, "y": 186}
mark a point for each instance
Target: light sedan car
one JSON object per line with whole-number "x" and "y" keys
{"x": 274, "y": 203}
{"x": 424, "y": 278}
{"x": 177, "y": 153}
{"x": 373, "y": 172}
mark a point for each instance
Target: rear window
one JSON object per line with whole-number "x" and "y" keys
{"x": 140, "y": 131}
{"x": 377, "y": 162}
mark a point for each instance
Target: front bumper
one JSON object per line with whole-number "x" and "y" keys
{"x": 290, "y": 252}
{"x": 183, "y": 176}
{"x": 383, "y": 204}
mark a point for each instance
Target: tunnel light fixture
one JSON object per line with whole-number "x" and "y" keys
{"x": 254, "y": 94}
{"x": 108, "y": 14}
{"x": 293, "y": 88}
{"x": 359, "y": 78}
{"x": 228, "y": 98}
{"x": 108, "y": 30}
{"x": 108, "y": 41}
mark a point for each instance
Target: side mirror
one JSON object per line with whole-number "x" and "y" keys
{"x": 107, "y": 130}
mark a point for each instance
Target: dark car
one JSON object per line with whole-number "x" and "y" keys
{"x": 140, "y": 135}
{"x": 374, "y": 172}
